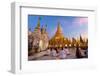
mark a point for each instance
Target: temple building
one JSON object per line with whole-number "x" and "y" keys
{"x": 38, "y": 40}
{"x": 58, "y": 40}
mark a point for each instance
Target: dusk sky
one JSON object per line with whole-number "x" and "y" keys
{"x": 72, "y": 26}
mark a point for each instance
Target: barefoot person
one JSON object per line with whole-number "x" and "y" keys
{"x": 62, "y": 54}
{"x": 53, "y": 53}
{"x": 67, "y": 51}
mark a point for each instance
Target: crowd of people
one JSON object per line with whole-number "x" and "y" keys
{"x": 59, "y": 53}
{"x": 63, "y": 53}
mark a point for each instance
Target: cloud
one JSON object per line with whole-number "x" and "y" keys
{"x": 81, "y": 21}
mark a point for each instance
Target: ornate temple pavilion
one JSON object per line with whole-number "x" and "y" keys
{"x": 58, "y": 40}
{"x": 38, "y": 40}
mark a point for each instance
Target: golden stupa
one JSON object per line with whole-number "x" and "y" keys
{"x": 58, "y": 40}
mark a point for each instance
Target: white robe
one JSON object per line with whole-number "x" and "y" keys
{"x": 53, "y": 53}
{"x": 67, "y": 51}
{"x": 62, "y": 54}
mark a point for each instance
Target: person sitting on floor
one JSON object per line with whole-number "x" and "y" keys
{"x": 67, "y": 51}
{"x": 62, "y": 54}
{"x": 53, "y": 53}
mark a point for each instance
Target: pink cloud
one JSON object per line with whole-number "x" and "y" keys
{"x": 81, "y": 21}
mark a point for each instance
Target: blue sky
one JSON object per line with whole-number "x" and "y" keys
{"x": 72, "y": 26}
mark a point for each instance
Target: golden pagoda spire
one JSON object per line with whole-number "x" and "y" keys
{"x": 59, "y": 31}
{"x": 38, "y": 24}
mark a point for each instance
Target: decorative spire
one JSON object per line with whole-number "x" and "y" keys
{"x": 81, "y": 39}
{"x": 38, "y": 24}
{"x": 59, "y": 31}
